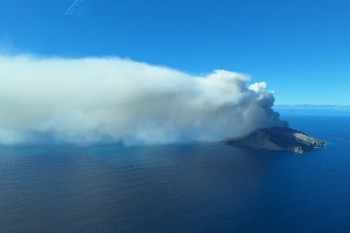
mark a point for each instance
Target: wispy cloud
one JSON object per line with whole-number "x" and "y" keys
{"x": 76, "y": 8}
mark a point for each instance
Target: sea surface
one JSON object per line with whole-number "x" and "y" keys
{"x": 204, "y": 187}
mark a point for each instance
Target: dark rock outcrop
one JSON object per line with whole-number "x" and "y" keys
{"x": 278, "y": 139}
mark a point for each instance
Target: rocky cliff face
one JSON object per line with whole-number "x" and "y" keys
{"x": 278, "y": 139}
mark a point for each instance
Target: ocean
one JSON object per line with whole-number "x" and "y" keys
{"x": 197, "y": 187}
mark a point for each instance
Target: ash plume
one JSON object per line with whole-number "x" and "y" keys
{"x": 98, "y": 100}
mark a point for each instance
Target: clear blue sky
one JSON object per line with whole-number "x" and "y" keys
{"x": 301, "y": 48}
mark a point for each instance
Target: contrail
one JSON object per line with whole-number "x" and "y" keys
{"x": 76, "y": 8}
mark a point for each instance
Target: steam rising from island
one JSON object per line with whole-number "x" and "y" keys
{"x": 98, "y": 100}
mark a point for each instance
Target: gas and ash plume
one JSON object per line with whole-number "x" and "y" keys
{"x": 99, "y": 100}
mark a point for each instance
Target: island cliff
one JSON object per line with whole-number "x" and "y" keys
{"x": 278, "y": 139}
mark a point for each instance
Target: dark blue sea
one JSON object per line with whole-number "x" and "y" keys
{"x": 205, "y": 187}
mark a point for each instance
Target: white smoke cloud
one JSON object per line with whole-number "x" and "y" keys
{"x": 94, "y": 100}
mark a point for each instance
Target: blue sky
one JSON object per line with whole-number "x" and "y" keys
{"x": 300, "y": 48}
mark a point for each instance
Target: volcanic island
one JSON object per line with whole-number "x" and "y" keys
{"x": 278, "y": 139}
